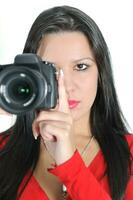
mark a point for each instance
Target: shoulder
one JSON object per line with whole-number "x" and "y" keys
{"x": 3, "y": 140}
{"x": 129, "y": 138}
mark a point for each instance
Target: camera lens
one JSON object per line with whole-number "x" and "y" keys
{"x": 20, "y": 90}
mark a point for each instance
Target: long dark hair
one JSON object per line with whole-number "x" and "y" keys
{"x": 108, "y": 125}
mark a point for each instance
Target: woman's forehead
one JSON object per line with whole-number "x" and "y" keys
{"x": 73, "y": 46}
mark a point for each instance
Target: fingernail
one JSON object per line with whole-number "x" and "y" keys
{"x": 61, "y": 72}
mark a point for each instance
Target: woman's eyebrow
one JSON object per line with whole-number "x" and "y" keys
{"x": 86, "y": 58}
{"x": 73, "y": 61}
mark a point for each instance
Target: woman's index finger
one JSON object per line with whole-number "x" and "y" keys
{"x": 63, "y": 101}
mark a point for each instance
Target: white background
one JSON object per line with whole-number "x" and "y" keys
{"x": 113, "y": 17}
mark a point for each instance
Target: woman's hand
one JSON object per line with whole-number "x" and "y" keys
{"x": 55, "y": 128}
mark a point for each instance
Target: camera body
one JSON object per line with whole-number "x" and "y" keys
{"x": 28, "y": 84}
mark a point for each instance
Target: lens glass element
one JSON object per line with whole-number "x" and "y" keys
{"x": 20, "y": 89}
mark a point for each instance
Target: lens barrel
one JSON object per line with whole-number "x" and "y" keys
{"x": 21, "y": 89}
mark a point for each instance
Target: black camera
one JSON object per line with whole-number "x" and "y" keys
{"x": 28, "y": 84}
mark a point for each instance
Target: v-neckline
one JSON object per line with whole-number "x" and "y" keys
{"x": 90, "y": 166}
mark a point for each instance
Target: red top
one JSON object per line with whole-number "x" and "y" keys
{"x": 82, "y": 182}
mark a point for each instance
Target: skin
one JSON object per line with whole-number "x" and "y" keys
{"x": 3, "y": 112}
{"x": 60, "y": 128}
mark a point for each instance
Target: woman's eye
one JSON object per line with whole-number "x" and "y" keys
{"x": 81, "y": 67}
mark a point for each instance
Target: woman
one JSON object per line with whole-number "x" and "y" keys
{"x": 82, "y": 146}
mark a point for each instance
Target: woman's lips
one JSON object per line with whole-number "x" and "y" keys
{"x": 73, "y": 103}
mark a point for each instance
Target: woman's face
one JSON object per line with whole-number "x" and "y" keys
{"x": 71, "y": 52}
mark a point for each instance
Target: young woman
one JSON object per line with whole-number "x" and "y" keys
{"x": 81, "y": 149}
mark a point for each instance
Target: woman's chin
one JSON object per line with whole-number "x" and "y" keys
{"x": 77, "y": 115}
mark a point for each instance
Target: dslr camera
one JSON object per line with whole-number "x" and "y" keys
{"x": 28, "y": 84}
